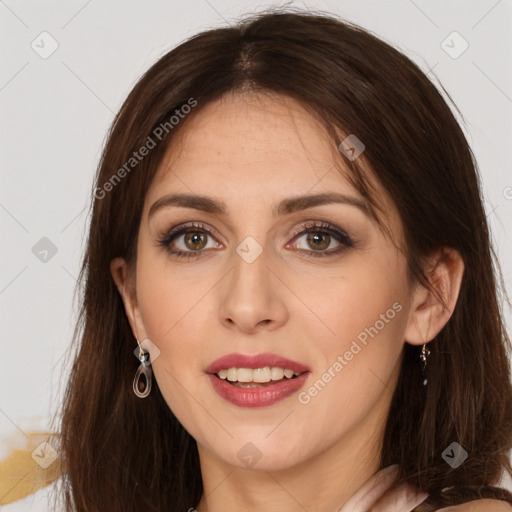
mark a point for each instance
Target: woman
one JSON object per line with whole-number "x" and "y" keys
{"x": 288, "y": 230}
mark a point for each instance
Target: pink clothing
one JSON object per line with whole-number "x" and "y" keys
{"x": 403, "y": 499}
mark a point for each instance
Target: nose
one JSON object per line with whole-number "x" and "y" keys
{"x": 252, "y": 296}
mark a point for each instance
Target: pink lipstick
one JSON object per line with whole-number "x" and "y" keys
{"x": 256, "y": 394}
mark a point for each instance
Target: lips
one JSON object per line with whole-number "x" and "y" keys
{"x": 260, "y": 396}
{"x": 255, "y": 361}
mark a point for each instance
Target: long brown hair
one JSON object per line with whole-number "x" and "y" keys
{"x": 121, "y": 453}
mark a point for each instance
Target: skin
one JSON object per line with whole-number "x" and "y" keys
{"x": 251, "y": 152}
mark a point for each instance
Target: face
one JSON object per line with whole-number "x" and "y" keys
{"x": 317, "y": 283}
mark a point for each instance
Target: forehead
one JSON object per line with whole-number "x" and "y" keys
{"x": 257, "y": 137}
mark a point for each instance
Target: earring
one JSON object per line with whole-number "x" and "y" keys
{"x": 143, "y": 376}
{"x": 425, "y": 352}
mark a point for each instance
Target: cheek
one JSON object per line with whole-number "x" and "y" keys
{"x": 171, "y": 299}
{"x": 358, "y": 364}
{"x": 173, "y": 306}
{"x": 359, "y": 340}
{"x": 364, "y": 298}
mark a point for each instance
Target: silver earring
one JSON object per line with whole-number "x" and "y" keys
{"x": 143, "y": 376}
{"x": 425, "y": 352}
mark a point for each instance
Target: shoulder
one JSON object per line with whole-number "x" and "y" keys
{"x": 480, "y": 506}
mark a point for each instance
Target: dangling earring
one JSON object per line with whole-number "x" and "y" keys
{"x": 425, "y": 352}
{"x": 143, "y": 376}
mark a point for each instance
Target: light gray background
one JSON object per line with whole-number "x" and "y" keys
{"x": 56, "y": 111}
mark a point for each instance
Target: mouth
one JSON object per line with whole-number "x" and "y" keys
{"x": 257, "y": 394}
{"x": 258, "y": 380}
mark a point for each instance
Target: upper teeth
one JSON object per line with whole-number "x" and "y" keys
{"x": 265, "y": 374}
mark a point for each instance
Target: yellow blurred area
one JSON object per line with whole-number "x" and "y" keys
{"x": 25, "y": 471}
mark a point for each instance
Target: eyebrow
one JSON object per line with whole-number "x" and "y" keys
{"x": 285, "y": 207}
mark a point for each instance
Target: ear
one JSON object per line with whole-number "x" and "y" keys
{"x": 124, "y": 278}
{"x": 429, "y": 312}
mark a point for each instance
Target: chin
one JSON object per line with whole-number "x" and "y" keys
{"x": 262, "y": 452}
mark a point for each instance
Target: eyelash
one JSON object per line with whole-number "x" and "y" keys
{"x": 167, "y": 237}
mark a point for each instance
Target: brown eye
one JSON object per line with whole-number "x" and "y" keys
{"x": 318, "y": 240}
{"x": 192, "y": 240}
{"x": 195, "y": 240}
{"x": 321, "y": 239}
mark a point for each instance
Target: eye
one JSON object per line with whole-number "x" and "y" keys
{"x": 187, "y": 241}
{"x": 319, "y": 236}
